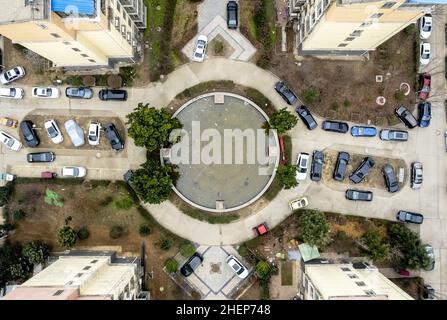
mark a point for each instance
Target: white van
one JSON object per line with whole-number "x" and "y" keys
{"x": 12, "y": 93}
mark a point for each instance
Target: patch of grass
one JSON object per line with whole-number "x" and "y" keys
{"x": 124, "y": 203}
{"x": 273, "y": 190}
{"x": 288, "y": 148}
{"x": 311, "y": 95}
{"x": 347, "y": 103}
{"x": 187, "y": 249}
{"x": 264, "y": 18}
{"x": 393, "y": 120}
{"x": 165, "y": 243}
{"x": 399, "y": 95}
{"x": 208, "y": 217}
{"x": 171, "y": 265}
{"x": 286, "y": 273}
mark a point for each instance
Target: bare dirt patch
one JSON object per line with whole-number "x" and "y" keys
{"x": 218, "y": 47}
{"x": 373, "y": 180}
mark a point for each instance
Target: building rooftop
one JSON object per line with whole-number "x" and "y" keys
{"x": 24, "y": 10}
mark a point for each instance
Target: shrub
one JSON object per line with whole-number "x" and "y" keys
{"x": 286, "y": 175}
{"x": 144, "y": 230}
{"x": 66, "y": 237}
{"x": 171, "y": 265}
{"x": 263, "y": 269}
{"x": 282, "y": 120}
{"x": 347, "y": 103}
{"x": 36, "y": 252}
{"x": 218, "y": 47}
{"x": 83, "y": 233}
{"x": 375, "y": 249}
{"x": 311, "y": 95}
{"x": 106, "y": 201}
{"x": 116, "y": 232}
{"x": 265, "y": 289}
{"x": 314, "y": 228}
{"x": 399, "y": 95}
{"x": 18, "y": 215}
{"x": 165, "y": 244}
{"x": 124, "y": 203}
{"x": 187, "y": 250}
{"x": 5, "y": 193}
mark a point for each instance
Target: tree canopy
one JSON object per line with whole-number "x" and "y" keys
{"x": 314, "y": 229}
{"x": 35, "y": 252}
{"x": 150, "y": 127}
{"x": 286, "y": 174}
{"x": 67, "y": 237}
{"x": 374, "y": 246}
{"x": 282, "y": 121}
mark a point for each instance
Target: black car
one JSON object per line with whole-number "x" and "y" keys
{"x": 424, "y": 114}
{"x": 307, "y": 117}
{"x": 428, "y": 293}
{"x": 390, "y": 178}
{"x": 192, "y": 264}
{"x": 362, "y": 170}
{"x": 316, "y": 169}
{"x": 113, "y": 94}
{"x": 341, "y": 166}
{"x": 358, "y": 195}
{"x": 113, "y": 136}
{"x": 232, "y": 19}
{"x": 29, "y": 134}
{"x": 285, "y": 93}
{"x": 79, "y": 93}
{"x": 410, "y": 217}
{"x": 40, "y": 157}
{"x": 335, "y": 126}
{"x": 406, "y": 117}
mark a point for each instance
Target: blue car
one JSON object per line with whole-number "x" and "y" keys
{"x": 357, "y": 131}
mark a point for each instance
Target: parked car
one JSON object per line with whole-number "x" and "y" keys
{"x": 74, "y": 172}
{"x": 316, "y": 168}
{"x": 10, "y": 142}
{"x": 45, "y": 92}
{"x": 12, "y": 75}
{"x": 12, "y": 93}
{"x": 302, "y": 163}
{"x": 335, "y": 126}
{"x": 307, "y": 117}
{"x": 112, "y": 95}
{"x": 232, "y": 15}
{"x": 406, "y": 117}
{"x": 192, "y": 264}
{"x": 237, "y": 267}
{"x": 94, "y": 132}
{"x": 260, "y": 229}
{"x": 298, "y": 203}
{"x": 416, "y": 175}
{"x": 40, "y": 157}
{"x": 424, "y": 51}
{"x": 358, "y": 195}
{"x": 29, "y": 134}
{"x": 393, "y": 135}
{"x": 425, "y": 26}
{"x": 200, "y": 48}
{"x": 8, "y": 122}
{"x": 113, "y": 136}
{"x": 424, "y": 114}
{"x": 362, "y": 170}
{"x": 360, "y": 131}
{"x": 341, "y": 166}
{"x": 75, "y": 132}
{"x": 391, "y": 181}
{"x": 285, "y": 93}
{"x": 411, "y": 217}
{"x": 428, "y": 293}
{"x": 431, "y": 254}
{"x": 445, "y": 139}
{"x": 425, "y": 84}
{"x": 79, "y": 92}
{"x": 53, "y": 131}
{"x": 48, "y": 175}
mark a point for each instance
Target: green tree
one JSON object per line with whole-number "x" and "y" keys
{"x": 374, "y": 246}
{"x": 153, "y": 181}
{"x": 10, "y": 254}
{"x": 171, "y": 265}
{"x": 314, "y": 229}
{"x": 150, "y": 127}
{"x": 408, "y": 243}
{"x": 144, "y": 230}
{"x": 282, "y": 121}
{"x": 36, "y": 252}
{"x": 187, "y": 250}
{"x": 21, "y": 269}
{"x": 83, "y": 233}
{"x": 5, "y": 192}
{"x": 67, "y": 237}
{"x": 286, "y": 175}
{"x": 165, "y": 244}
{"x": 116, "y": 232}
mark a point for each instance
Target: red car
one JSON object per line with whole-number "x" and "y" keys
{"x": 425, "y": 86}
{"x": 260, "y": 229}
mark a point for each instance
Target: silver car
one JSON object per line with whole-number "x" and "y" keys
{"x": 393, "y": 135}
{"x": 416, "y": 175}
{"x": 75, "y": 132}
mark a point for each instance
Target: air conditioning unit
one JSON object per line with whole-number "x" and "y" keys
{"x": 123, "y": 30}
{"x": 117, "y": 23}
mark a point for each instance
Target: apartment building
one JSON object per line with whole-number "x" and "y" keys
{"x": 77, "y": 34}
{"x": 85, "y": 275}
{"x": 348, "y": 281}
{"x": 350, "y": 27}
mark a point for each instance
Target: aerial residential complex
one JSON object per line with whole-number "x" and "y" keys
{"x": 79, "y": 34}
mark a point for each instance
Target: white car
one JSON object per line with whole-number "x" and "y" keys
{"x": 45, "y": 92}
{"x": 12, "y": 75}
{"x": 425, "y": 53}
{"x": 425, "y": 26}
{"x": 12, "y": 93}
{"x": 74, "y": 172}
{"x": 298, "y": 203}
{"x": 53, "y": 131}
{"x": 75, "y": 132}
{"x": 200, "y": 49}
{"x": 302, "y": 163}
{"x": 94, "y": 131}
{"x": 237, "y": 267}
{"x": 10, "y": 142}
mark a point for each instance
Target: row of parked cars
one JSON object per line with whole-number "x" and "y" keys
{"x": 52, "y": 92}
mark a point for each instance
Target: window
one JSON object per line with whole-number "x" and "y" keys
{"x": 345, "y": 269}
{"x": 366, "y": 24}
{"x": 370, "y": 292}
{"x": 79, "y": 275}
{"x": 326, "y": 3}
{"x": 42, "y": 26}
{"x": 319, "y": 9}
{"x": 376, "y": 15}
{"x": 93, "y": 261}
{"x": 66, "y": 43}
{"x": 75, "y": 49}
{"x": 352, "y": 276}
{"x": 91, "y": 60}
{"x": 117, "y": 23}
{"x": 129, "y": 21}
{"x": 360, "y": 283}
{"x": 389, "y": 4}
{"x": 356, "y": 33}
{"x": 86, "y": 268}
{"x": 118, "y": 7}
{"x": 58, "y": 293}
{"x": 349, "y": 38}
{"x": 55, "y": 35}
{"x": 123, "y": 30}
{"x": 340, "y": 46}
{"x": 129, "y": 36}
{"x": 84, "y": 55}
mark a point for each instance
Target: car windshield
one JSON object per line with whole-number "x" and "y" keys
{"x": 9, "y": 142}
{"x": 425, "y": 55}
{"x": 75, "y": 171}
{"x": 52, "y": 131}
{"x": 426, "y": 28}
{"x": 46, "y": 92}
{"x": 12, "y": 92}
{"x": 92, "y": 136}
